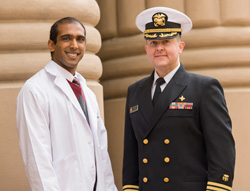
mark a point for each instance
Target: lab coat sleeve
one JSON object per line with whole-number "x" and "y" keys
{"x": 32, "y": 116}
{"x": 108, "y": 173}
{"x": 216, "y": 125}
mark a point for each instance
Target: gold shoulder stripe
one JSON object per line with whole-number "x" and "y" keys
{"x": 130, "y": 187}
{"x": 218, "y": 187}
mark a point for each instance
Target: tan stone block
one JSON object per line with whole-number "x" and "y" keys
{"x": 116, "y": 88}
{"x": 217, "y": 37}
{"x": 12, "y": 176}
{"x": 127, "y": 10}
{"x": 203, "y": 13}
{"x": 217, "y": 57}
{"x": 108, "y": 22}
{"x": 35, "y": 36}
{"x": 123, "y": 46}
{"x": 238, "y": 101}
{"x": 127, "y": 66}
{"x": 176, "y": 4}
{"x": 235, "y": 12}
{"x": 228, "y": 77}
{"x": 114, "y": 121}
{"x": 84, "y": 10}
{"x": 21, "y": 66}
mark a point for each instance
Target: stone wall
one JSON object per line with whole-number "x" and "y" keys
{"x": 218, "y": 46}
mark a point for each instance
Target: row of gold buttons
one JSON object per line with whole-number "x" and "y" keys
{"x": 166, "y": 141}
{"x": 145, "y": 179}
{"x": 166, "y": 160}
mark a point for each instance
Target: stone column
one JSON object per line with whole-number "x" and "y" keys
{"x": 217, "y": 46}
{"x": 25, "y": 27}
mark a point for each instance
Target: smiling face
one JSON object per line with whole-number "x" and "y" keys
{"x": 163, "y": 54}
{"x": 70, "y": 46}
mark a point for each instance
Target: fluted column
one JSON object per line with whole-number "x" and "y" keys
{"x": 25, "y": 27}
{"x": 217, "y": 46}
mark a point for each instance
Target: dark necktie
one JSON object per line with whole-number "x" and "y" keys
{"x": 83, "y": 105}
{"x": 159, "y": 82}
{"x": 82, "y": 100}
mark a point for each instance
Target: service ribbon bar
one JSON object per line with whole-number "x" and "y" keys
{"x": 181, "y": 105}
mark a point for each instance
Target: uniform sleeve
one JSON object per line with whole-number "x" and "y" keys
{"x": 130, "y": 157}
{"x": 34, "y": 139}
{"x": 108, "y": 172}
{"x": 216, "y": 125}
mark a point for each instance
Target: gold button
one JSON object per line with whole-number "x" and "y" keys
{"x": 145, "y": 179}
{"x": 166, "y": 141}
{"x": 145, "y": 141}
{"x": 145, "y": 161}
{"x": 167, "y": 160}
{"x": 166, "y": 179}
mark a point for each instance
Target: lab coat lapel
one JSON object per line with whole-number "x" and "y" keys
{"x": 63, "y": 85}
{"x": 174, "y": 88}
{"x": 67, "y": 90}
{"x": 144, "y": 98}
{"x": 92, "y": 107}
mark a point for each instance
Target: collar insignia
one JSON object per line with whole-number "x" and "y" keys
{"x": 182, "y": 98}
{"x": 225, "y": 177}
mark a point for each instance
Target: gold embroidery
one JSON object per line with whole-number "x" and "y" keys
{"x": 151, "y": 36}
{"x": 225, "y": 177}
{"x": 159, "y": 19}
{"x": 167, "y": 35}
{"x": 163, "y": 30}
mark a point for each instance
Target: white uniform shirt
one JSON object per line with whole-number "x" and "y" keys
{"x": 167, "y": 79}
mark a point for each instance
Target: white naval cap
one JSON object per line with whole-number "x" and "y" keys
{"x": 162, "y": 23}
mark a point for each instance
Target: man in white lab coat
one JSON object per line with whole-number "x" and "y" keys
{"x": 63, "y": 148}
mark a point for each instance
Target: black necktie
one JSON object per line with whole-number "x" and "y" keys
{"x": 82, "y": 100}
{"x": 159, "y": 82}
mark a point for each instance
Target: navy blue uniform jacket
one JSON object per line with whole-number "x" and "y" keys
{"x": 184, "y": 142}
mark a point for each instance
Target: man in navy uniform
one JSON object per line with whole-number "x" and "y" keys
{"x": 178, "y": 134}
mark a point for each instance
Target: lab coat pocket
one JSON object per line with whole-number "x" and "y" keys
{"x": 68, "y": 173}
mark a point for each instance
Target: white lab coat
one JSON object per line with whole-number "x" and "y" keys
{"x": 60, "y": 151}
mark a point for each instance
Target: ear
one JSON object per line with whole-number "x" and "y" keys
{"x": 146, "y": 48}
{"x": 51, "y": 46}
{"x": 181, "y": 47}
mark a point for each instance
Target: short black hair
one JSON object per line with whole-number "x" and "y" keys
{"x": 54, "y": 27}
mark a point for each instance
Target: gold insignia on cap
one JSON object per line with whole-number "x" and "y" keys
{"x": 159, "y": 19}
{"x": 182, "y": 98}
{"x": 225, "y": 177}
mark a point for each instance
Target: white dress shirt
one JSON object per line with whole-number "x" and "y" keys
{"x": 167, "y": 79}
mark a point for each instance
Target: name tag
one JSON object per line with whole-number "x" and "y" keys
{"x": 133, "y": 109}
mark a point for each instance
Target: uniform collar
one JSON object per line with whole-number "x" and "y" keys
{"x": 168, "y": 77}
